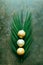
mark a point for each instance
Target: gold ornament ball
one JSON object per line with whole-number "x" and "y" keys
{"x": 20, "y": 42}
{"x": 21, "y": 33}
{"x": 20, "y": 51}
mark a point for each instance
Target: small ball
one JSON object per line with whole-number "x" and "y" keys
{"x": 20, "y": 51}
{"x": 21, "y": 33}
{"x": 20, "y": 42}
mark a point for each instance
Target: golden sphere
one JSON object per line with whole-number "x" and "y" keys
{"x": 20, "y": 51}
{"x": 21, "y": 33}
{"x": 20, "y": 42}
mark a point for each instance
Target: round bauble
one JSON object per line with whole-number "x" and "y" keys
{"x": 20, "y": 42}
{"x": 20, "y": 51}
{"x": 21, "y": 33}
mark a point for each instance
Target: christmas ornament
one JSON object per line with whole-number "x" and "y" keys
{"x": 20, "y": 42}
{"x": 21, "y": 33}
{"x": 20, "y": 51}
{"x": 21, "y": 36}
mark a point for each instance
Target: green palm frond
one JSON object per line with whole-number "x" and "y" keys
{"x": 17, "y": 24}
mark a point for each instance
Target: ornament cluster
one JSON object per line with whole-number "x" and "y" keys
{"x": 21, "y": 42}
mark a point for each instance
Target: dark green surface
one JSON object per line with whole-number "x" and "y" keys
{"x": 7, "y": 7}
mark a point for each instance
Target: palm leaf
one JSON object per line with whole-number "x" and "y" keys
{"x": 19, "y": 24}
{"x": 28, "y": 30}
{"x": 17, "y": 21}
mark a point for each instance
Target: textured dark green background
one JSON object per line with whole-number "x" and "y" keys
{"x": 7, "y": 7}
